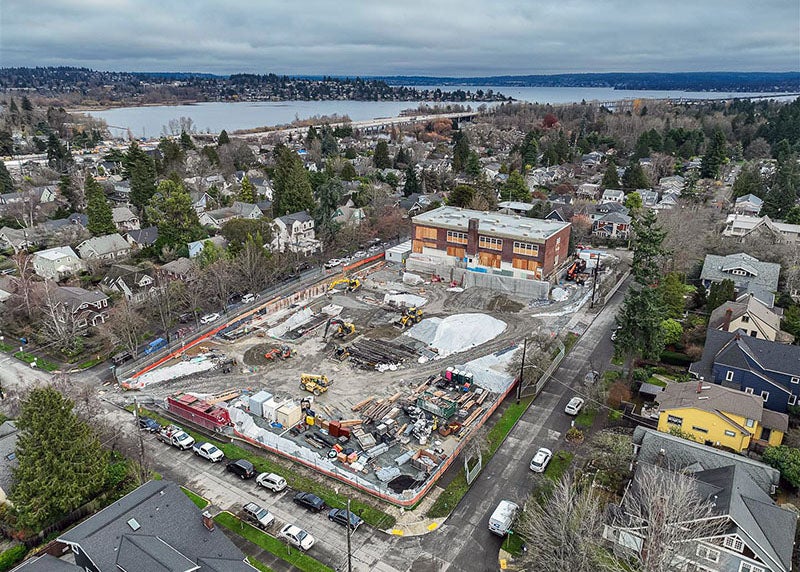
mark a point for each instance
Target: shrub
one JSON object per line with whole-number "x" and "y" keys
{"x": 787, "y": 461}
{"x": 574, "y": 435}
{"x": 614, "y": 415}
{"x": 12, "y": 556}
{"x": 674, "y": 358}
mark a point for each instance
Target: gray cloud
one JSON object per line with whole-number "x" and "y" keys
{"x": 441, "y": 37}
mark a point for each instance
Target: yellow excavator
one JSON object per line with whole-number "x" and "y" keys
{"x": 343, "y": 330}
{"x": 412, "y": 315}
{"x": 352, "y": 284}
{"x": 314, "y": 383}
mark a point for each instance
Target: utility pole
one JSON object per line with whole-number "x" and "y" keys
{"x": 522, "y": 369}
{"x": 349, "y": 554}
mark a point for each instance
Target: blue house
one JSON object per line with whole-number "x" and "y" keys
{"x": 760, "y": 367}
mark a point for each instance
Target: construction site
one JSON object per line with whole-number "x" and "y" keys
{"x": 379, "y": 378}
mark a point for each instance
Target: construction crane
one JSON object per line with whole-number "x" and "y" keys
{"x": 314, "y": 383}
{"x": 344, "y": 329}
{"x": 352, "y": 284}
{"x": 412, "y": 315}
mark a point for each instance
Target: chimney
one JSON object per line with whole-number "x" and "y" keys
{"x": 726, "y": 323}
{"x": 208, "y": 522}
{"x": 472, "y": 236}
{"x": 699, "y": 386}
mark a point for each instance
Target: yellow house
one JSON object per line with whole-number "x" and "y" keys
{"x": 719, "y": 416}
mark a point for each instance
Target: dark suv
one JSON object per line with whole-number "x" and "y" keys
{"x": 242, "y": 468}
{"x": 309, "y": 501}
{"x": 148, "y": 424}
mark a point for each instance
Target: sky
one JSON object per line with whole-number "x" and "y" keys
{"x": 403, "y": 37}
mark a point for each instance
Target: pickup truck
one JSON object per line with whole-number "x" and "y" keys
{"x": 175, "y": 436}
{"x": 209, "y": 452}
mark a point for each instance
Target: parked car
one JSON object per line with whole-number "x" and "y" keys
{"x": 258, "y": 514}
{"x": 591, "y": 377}
{"x": 297, "y": 536}
{"x": 242, "y": 468}
{"x": 574, "y": 406}
{"x": 271, "y": 481}
{"x": 208, "y": 318}
{"x": 373, "y": 249}
{"x": 209, "y": 452}
{"x": 185, "y": 318}
{"x": 148, "y": 424}
{"x": 339, "y": 516}
{"x": 309, "y": 501}
{"x": 540, "y": 460}
{"x": 247, "y": 298}
{"x": 359, "y": 254}
{"x": 122, "y": 357}
{"x": 333, "y": 263}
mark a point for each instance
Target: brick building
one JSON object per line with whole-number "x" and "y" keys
{"x": 492, "y": 242}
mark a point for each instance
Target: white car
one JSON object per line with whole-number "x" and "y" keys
{"x": 359, "y": 254}
{"x": 209, "y": 452}
{"x": 208, "y": 318}
{"x": 333, "y": 263}
{"x": 374, "y": 248}
{"x": 296, "y": 536}
{"x": 540, "y": 460}
{"x": 271, "y": 481}
{"x": 574, "y": 406}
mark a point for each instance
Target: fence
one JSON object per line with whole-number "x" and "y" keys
{"x": 543, "y": 379}
{"x": 620, "y": 281}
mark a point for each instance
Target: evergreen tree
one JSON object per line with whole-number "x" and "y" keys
{"x": 715, "y": 156}
{"x": 101, "y": 220}
{"x": 782, "y": 195}
{"x": 529, "y": 150}
{"x": 311, "y": 135}
{"x": 329, "y": 194}
{"x": 672, "y": 290}
{"x": 635, "y": 178}
{"x": 515, "y": 188}
{"x": 140, "y": 169}
{"x": 381, "y": 158}
{"x": 291, "y": 184}
{"x": 6, "y": 182}
{"x": 402, "y": 158}
{"x": 223, "y": 138}
{"x": 329, "y": 146}
{"x": 719, "y": 293}
{"x": 6, "y": 142}
{"x": 642, "y": 148}
{"x": 186, "y": 141}
{"x": 793, "y": 216}
{"x": 461, "y": 196}
{"x": 473, "y": 168}
{"x": 58, "y": 156}
{"x": 460, "y": 151}
{"x": 610, "y": 177}
{"x": 348, "y": 172}
{"x": 171, "y": 210}
{"x": 247, "y": 194}
{"x": 411, "y": 185}
{"x": 748, "y": 182}
{"x": 61, "y": 463}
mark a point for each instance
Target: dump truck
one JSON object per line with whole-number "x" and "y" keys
{"x": 314, "y": 383}
{"x": 175, "y": 436}
{"x": 412, "y": 315}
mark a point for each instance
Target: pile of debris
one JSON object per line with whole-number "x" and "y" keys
{"x": 371, "y": 354}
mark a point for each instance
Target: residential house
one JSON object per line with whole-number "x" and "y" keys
{"x": 19, "y": 239}
{"x": 752, "y": 317}
{"x": 295, "y": 233}
{"x": 135, "y": 283}
{"x": 85, "y": 307}
{"x": 415, "y": 203}
{"x": 124, "y": 219}
{"x": 598, "y": 211}
{"x": 515, "y": 207}
{"x": 142, "y": 238}
{"x": 758, "y": 535}
{"x": 674, "y": 184}
{"x": 155, "y": 527}
{"x": 592, "y": 159}
{"x": 514, "y": 246}
{"x": 747, "y": 227}
{"x": 57, "y": 263}
{"x": 719, "y": 416}
{"x": 588, "y": 191}
{"x": 106, "y": 247}
{"x": 649, "y": 198}
{"x": 46, "y": 194}
{"x": 766, "y": 369}
{"x": 561, "y": 214}
{"x": 218, "y": 217}
{"x": 121, "y": 193}
{"x": 669, "y": 200}
{"x": 749, "y": 275}
{"x": 201, "y": 200}
{"x": 8, "y": 285}
{"x": 262, "y": 187}
{"x": 748, "y": 205}
{"x": 180, "y": 269}
{"x": 196, "y": 247}
{"x": 613, "y": 196}
{"x": 612, "y": 225}
{"x": 8, "y": 458}
{"x": 349, "y": 214}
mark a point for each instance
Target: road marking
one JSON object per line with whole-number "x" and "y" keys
{"x": 433, "y": 526}
{"x": 553, "y": 435}
{"x": 397, "y": 532}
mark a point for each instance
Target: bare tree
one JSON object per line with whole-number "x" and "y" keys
{"x": 59, "y": 322}
{"x": 251, "y": 267}
{"x": 163, "y": 301}
{"x": 218, "y": 279}
{"x": 25, "y": 211}
{"x": 126, "y": 325}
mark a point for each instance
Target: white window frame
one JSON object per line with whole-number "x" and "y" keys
{"x": 734, "y": 543}
{"x": 729, "y": 375}
{"x": 765, "y": 395}
{"x": 707, "y": 553}
{"x": 729, "y": 433}
{"x": 748, "y": 390}
{"x": 792, "y": 399}
{"x": 748, "y": 567}
{"x": 749, "y": 423}
{"x": 795, "y": 380}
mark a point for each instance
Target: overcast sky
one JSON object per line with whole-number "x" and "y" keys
{"x": 387, "y": 37}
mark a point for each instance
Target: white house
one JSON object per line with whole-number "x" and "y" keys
{"x": 613, "y": 196}
{"x": 748, "y": 205}
{"x": 124, "y": 219}
{"x": 295, "y": 232}
{"x": 57, "y": 263}
{"x": 217, "y": 218}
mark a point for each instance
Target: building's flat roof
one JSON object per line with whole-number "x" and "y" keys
{"x": 491, "y": 223}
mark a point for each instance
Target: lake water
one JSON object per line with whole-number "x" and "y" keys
{"x": 215, "y": 116}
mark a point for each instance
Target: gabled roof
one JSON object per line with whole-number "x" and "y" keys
{"x": 106, "y": 244}
{"x": 616, "y": 218}
{"x": 57, "y": 253}
{"x": 145, "y": 236}
{"x": 75, "y": 296}
{"x": 290, "y": 219}
{"x": 711, "y": 397}
{"x": 759, "y": 314}
{"x": 122, "y": 214}
{"x": 749, "y": 198}
{"x": 761, "y": 280}
{"x": 46, "y": 563}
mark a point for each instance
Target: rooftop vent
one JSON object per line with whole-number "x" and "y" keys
{"x": 134, "y": 524}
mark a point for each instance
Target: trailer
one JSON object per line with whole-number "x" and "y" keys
{"x": 198, "y": 411}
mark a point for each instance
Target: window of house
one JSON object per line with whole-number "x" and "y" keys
{"x": 490, "y": 242}
{"x": 456, "y": 237}
{"x": 745, "y": 319}
{"x": 707, "y": 553}
{"x": 753, "y": 333}
{"x": 730, "y": 433}
{"x": 765, "y": 395}
{"x": 526, "y": 248}
{"x": 734, "y": 543}
{"x": 747, "y": 567}
{"x": 729, "y": 375}
{"x": 749, "y": 423}
{"x": 675, "y": 420}
{"x": 426, "y": 232}
{"x": 792, "y": 399}
{"x": 700, "y": 429}
{"x": 796, "y": 380}
{"x": 748, "y": 390}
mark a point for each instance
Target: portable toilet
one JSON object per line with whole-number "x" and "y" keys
{"x": 257, "y": 401}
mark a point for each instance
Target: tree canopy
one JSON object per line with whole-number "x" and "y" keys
{"x": 515, "y": 188}
{"x": 6, "y": 182}
{"x": 381, "y": 158}
{"x": 610, "y": 177}
{"x": 714, "y": 157}
{"x": 291, "y": 184}
{"x": 171, "y": 210}
{"x": 634, "y": 178}
{"x": 101, "y": 220}
{"x": 140, "y": 169}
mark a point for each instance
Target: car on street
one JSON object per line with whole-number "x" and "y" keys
{"x": 149, "y": 424}
{"x": 309, "y": 501}
{"x": 247, "y": 298}
{"x": 208, "y": 318}
{"x": 540, "y": 460}
{"x": 373, "y": 249}
{"x": 591, "y": 377}
{"x": 258, "y": 514}
{"x": 242, "y": 468}
{"x": 339, "y": 516}
{"x": 333, "y": 263}
{"x": 359, "y": 254}
{"x": 574, "y": 406}
{"x": 271, "y": 481}
{"x": 209, "y": 452}
{"x": 296, "y": 536}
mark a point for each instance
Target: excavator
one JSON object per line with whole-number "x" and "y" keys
{"x": 344, "y": 329}
{"x": 352, "y": 284}
{"x": 283, "y": 352}
{"x": 576, "y": 271}
{"x": 412, "y": 315}
{"x": 314, "y": 383}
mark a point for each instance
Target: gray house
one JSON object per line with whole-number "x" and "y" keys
{"x": 749, "y": 275}
{"x": 57, "y": 263}
{"x": 107, "y": 247}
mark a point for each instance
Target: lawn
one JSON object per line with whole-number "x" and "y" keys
{"x": 89, "y": 363}
{"x": 513, "y": 544}
{"x": 259, "y": 565}
{"x": 196, "y": 499}
{"x": 585, "y": 419}
{"x": 458, "y": 487}
{"x": 293, "y": 556}
{"x": 4, "y": 347}
{"x": 370, "y": 514}
{"x": 558, "y": 465}
{"x": 40, "y": 363}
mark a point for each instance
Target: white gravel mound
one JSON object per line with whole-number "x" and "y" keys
{"x": 457, "y": 333}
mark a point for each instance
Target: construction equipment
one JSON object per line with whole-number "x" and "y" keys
{"x": 412, "y": 315}
{"x": 352, "y": 284}
{"x": 343, "y": 330}
{"x": 314, "y": 383}
{"x": 577, "y": 267}
{"x": 283, "y": 352}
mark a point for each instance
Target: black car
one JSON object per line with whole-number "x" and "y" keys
{"x": 339, "y": 516}
{"x": 309, "y": 501}
{"x": 148, "y": 424}
{"x": 242, "y": 468}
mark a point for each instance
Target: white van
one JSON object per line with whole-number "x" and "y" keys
{"x": 247, "y": 298}
{"x": 503, "y": 517}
